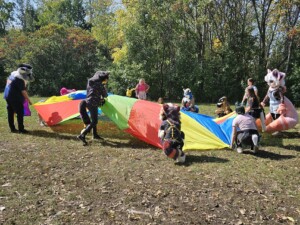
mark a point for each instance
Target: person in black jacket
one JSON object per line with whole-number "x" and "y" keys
{"x": 95, "y": 94}
{"x": 15, "y": 94}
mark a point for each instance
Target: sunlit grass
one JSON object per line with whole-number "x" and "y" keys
{"x": 48, "y": 177}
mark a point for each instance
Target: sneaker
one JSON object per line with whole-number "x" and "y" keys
{"x": 181, "y": 156}
{"x": 255, "y": 150}
{"x": 181, "y": 159}
{"x": 82, "y": 138}
{"x": 23, "y": 131}
{"x": 276, "y": 133}
{"x": 14, "y": 130}
{"x": 239, "y": 150}
{"x": 97, "y": 137}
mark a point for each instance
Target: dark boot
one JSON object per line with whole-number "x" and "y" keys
{"x": 95, "y": 134}
{"x": 81, "y": 137}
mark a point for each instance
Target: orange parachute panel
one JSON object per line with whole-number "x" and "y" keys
{"x": 54, "y": 113}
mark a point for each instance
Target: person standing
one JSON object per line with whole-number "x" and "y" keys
{"x": 250, "y": 83}
{"x": 95, "y": 94}
{"x": 15, "y": 94}
{"x": 142, "y": 89}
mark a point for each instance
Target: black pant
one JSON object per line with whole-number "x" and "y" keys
{"x": 94, "y": 119}
{"x": 18, "y": 108}
{"x": 275, "y": 116}
{"x": 245, "y": 137}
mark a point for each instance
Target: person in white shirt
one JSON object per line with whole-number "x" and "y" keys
{"x": 244, "y": 131}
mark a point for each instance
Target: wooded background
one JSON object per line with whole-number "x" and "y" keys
{"x": 212, "y": 47}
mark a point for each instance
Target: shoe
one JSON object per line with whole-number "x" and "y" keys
{"x": 181, "y": 159}
{"x": 276, "y": 133}
{"x": 14, "y": 130}
{"x": 97, "y": 137}
{"x": 82, "y": 138}
{"x": 256, "y": 149}
{"x": 181, "y": 156}
{"x": 239, "y": 150}
{"x": 23, "y": 131}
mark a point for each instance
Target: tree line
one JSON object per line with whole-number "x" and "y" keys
{"x": 212, "y": 47}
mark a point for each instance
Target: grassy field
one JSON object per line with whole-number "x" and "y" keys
{"x": 48, "y": 177}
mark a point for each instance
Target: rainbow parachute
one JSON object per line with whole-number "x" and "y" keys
{"x": 140, "y": 118}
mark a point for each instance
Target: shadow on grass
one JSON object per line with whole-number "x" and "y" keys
{"x": 46, "y": 134}
{"x": 277, "y": 140}
{"x": 271, "y": 155}
{"x": 134, "y": 144}
{"x": 191, "y": 159}
{"x": 292, "y": 147}
{"x": 130, "y": 142}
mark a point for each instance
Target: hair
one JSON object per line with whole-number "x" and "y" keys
{"x": 240, "y": 110}
{"x": 170, "y": 111}
{"x": 252, "y": 94}
{"x": 102, "y": 75}
{"x": 160, "y": 100}
{"x": 251, "y": 80}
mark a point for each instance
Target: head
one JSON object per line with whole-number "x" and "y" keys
{"x": 142, "y": 81}
{"x": 103, "y": 76}
{"x": 170, "y": 111}
{"x": 25, "y": 70}
{"x": 160, "y": 100}
{"x": 223, "y": 99}
{"x": 186, "y": 102}
{"x": 187, "y": 91}
{"x": 240, "y": 110}
{"x": 250, "y": 81}
{"x": 251, "y": 92}
{"x": 275, "y": 78}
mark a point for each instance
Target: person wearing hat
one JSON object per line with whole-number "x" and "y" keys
{"x": 244, "y": 131}
{"x": 95, "y": 94}
{"x": 15, "y": 94}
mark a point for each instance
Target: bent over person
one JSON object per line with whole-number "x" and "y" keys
{"x": 244, "y": 131}
{"x": 15, "y": 94}
{"x": 95, "y": 94}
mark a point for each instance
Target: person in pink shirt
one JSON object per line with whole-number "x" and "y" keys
{"x": 142, "y": 89}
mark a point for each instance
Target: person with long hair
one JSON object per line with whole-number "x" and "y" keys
{"x": 253, "y": 105}
{"x": 250, "y": 83}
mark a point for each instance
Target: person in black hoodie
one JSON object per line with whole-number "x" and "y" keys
{"x": 95, "y": 94}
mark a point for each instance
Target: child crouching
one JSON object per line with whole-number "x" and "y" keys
{"x": 170, "y": 132}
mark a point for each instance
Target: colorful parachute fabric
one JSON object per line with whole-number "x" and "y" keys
{"x": 140, "y": 118}
{"x": 60, "y": 108}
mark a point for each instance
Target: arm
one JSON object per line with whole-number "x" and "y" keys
{"x": 147, "y": 88}
{"x": 25, "y": 94}
{"x": 233, "y": 136}
{"x": 250, "y": 103}
{"x": 281, "y": 95}
{"x": 266, "y": 99}
{"x": 137, "y": 90}
{"x": 245, "y": 96}
{"x": 161, "y": 131}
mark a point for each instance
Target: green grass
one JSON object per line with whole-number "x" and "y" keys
{"x": 48, "y": 177}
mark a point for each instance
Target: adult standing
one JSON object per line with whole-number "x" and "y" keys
{"x": 250, "y": 83}
{"x": 15, "y": 94}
